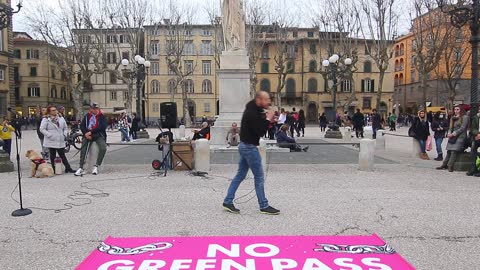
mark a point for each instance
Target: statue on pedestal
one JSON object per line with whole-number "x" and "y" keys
{"x": 233, "y": 25}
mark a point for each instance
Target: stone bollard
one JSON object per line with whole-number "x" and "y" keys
{"x": 202, "y": 155}
{"x": 348, "y": 134}
{"x": 380, "y": 141}
{"x": 92, "y": 156}
{"x": 416, "y": 150}
{"x": 181, "y": 132}
{"x": 263, "y": 153}
{"x": 366, "y": 158}
{"x": 368, "y": 132}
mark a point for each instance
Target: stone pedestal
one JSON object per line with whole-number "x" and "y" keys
{"x": 202, "y": 155}
{"x": 348, "y": 134}
{"x": 234, "y": 92}
{"x": 333, "y": 134}
{"x": 366, "y": 158}
{"x": 6, "y": 165}
{"x": 368, "y": 132}
{"x": 416, "y": 150}
{"x": 380, "y": 140}
{"x": 143, "y": 134}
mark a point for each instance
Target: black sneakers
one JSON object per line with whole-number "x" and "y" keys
{"x": 270, "y": 211}
{"x": 231, "y": 208}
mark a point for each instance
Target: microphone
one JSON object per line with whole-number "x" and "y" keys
{"x": 12, "y": 111}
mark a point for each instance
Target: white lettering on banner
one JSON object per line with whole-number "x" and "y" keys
{"x": 280, "y": 264}
{"x": 205, "y": 264}
{"x": 106, "y": 266}
{"x": 375, "y": 262}
{"x": 346, "y": 262}
{"x": 234, "y": 250}
{"x": 180, "y": 264}
{"x": 315, "y": 264}
{"x": 250, "y": 250}
{"x": 152, "y": 265}
{"x": 228, "y": 264}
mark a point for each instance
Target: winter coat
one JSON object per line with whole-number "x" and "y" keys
{"x": 474, "y": 127}
{"x": 459, "y": 131}
{"x": 440, "y": 127}
{"x": 421, "y": 128}
{"x": 358, "y": 120}
{"x": 135, "y": 126}
{"x": 282, "y": 137}
{"x": 54, "y": 136}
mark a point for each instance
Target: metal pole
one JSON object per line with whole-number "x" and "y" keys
{"x": 334, "y": 90}
{"x": 474, "y": 40}
{"x": 140, "y": 77}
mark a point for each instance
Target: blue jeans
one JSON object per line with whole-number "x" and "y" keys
{"x": 249, "y": 159}
{"x": 125, "y": 135}
{"x": 438, "y": 145}
{"x": 423, "y": 145}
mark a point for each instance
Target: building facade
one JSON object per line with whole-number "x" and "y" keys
{"x": 40, "y": 76}
{"x": 6, "y": 77}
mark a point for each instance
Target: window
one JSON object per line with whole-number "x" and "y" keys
{"x": 290, "y": 67}
{"x": 313, "y": 48}
{"x": 2, "y": 73}
{"x": 126, "y": 55}
{"x": 265, "y": 52}
{"x": 346, "y": 86}
{"x": 33, "y": 71}
{"x": 458, "y": 35}
{"x": 291, "y": 89}
{"x": 368, "y": 85}
{"x": 17, "y": 54}
{"x": 63, "y": 93}
{"x": 155, "y": 87}
{"x": 412, "y": 76}
{"x": 414, "y": 45}
{"x": 63, "y": 75}
{"x": 206, "y": 107}
{"x": 310, "y": 34}
{"x": 189, "y": 86}
{"x": 367, "y": 103}
{"x": 113, "y": 95}
{"x": 172, "y": 85}
{"x": 206, "y": 32}
{"x": 312, "y": 85}
{"x": 295, "y": 34}
{"x": 85, "y": 39}
{"x": 207, "y": 87}
{"x": 113, "y": 78}
{"x": 414, "y": 61}
{"x": 53, "y": 92}
{"x": 189, "y": 66}
{"x": 368, "y": 49}
{"x": 458, "y": 55}
{"x": 16, "y": 75}
{"x": 53, "y": 73}
{"x": 33, "y": 54}
{"x": 207, "y": 67}
{"x": 155, "y": 48}
{"x": 188, "y": 32}
{"x": 171, "y": 71}
{"x": 112, "y": 39}
{"x": 312, "y": 66}
{"x": 265, "y": 67}
{"x": 265, "y": 85}
{"x": 367, "y": 67}
{"x": 33, "y": 91}
{"x": 125, "y": 39}
{"x": 291, "y": 50}
{"x": 155, "y": 68}
{"x": 189, "y": 48}
{"x": 156, "y": 107}
{"x": 206, "y": 48}
{"x": 111, "y": 58}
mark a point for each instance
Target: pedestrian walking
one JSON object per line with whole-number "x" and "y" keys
{"x": 135, "y": 127}
{"x": 475, "y": 143}
{"x": 420, "y": 130}
{"x": 440, "y": 128}
{"x": 254, "y": 123}
{"x": 358, "y": 123}
{"x": 93, "y": 127}
{"x": 55, "y": 130}
{"x": 392, "y": 122}
{"x": 323, "y": 122}
{"x": 376, "y": 122}
{"x": 6, "y": 135}
{"x": 301, "y": 123}
{"x": 123, "y": 127}
{"x": 457, "y": 135}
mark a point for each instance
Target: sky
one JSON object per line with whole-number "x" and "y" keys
{"x": 298, "y": 10}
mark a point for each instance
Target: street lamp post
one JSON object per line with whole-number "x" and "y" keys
{"x": 331, "y": 65}
{"x": 138, "y": 73}
{"x": 6, "y": 14}
{"x": 462, "y": 15}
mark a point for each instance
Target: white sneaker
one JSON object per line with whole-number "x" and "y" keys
{"x": 80, "y": 172}
{"x": 95, "y": 170}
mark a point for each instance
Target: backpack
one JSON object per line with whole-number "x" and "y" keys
{"x": 295, "y": 117}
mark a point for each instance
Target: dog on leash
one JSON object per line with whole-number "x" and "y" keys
{"x": 38, "y": 164}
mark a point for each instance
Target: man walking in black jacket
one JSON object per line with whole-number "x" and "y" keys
{"x": 255, "y": 121}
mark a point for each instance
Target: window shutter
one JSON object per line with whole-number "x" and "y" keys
{"x": 373, "y": 86}
{"x": 342, "y": 86}
{"x": 363, "y": 86}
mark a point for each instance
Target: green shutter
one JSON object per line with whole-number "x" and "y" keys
{"x": 373, "y": 86}
{"x": 363, "y": 86}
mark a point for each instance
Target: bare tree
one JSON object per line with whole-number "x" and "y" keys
{"x": 179, "y": 54}
{"x": 379, "y": 27}
{"x": 455, "y": 58}
{"x": 431, "y": 31}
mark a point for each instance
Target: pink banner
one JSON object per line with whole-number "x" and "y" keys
{"x": 246, "y": 253}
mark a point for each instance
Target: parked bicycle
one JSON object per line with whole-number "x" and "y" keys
{"x": 75, "y": 138}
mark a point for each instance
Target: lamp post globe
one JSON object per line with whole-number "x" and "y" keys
{"x": 125, "y": 63}
{"x": 325, "y": 63}
{"x": 348, "y": 61}
{"x": 147, "y": 64}
{"x": 141, "y": 61}
{"x": 334, "y": 59}
{"x": 137, "y": 57}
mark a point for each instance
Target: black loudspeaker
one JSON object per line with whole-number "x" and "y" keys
{"x": 168, "y": 115}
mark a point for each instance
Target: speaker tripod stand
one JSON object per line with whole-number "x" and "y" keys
{"x": 167, "y": 161}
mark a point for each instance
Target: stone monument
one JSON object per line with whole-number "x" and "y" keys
{"x": 234, "y": 72}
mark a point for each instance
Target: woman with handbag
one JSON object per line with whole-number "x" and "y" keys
{"x": 54, "y": 128}
{"x": 420, "y": 130}
{"x": 440, "y": 128}
{"x": 456, "y": 138}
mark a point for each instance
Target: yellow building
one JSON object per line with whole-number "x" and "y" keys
{"x": 198, "y": 56}
{"x": 40, "y": 76}
{"x": 6, "y": 80}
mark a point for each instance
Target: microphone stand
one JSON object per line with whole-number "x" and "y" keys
{"x": 22, "y": 211}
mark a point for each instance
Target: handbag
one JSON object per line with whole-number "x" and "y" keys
{"x": 411, "y": 132}
{"x": 452, "y": 140}
{"x": 429, "y": 143}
